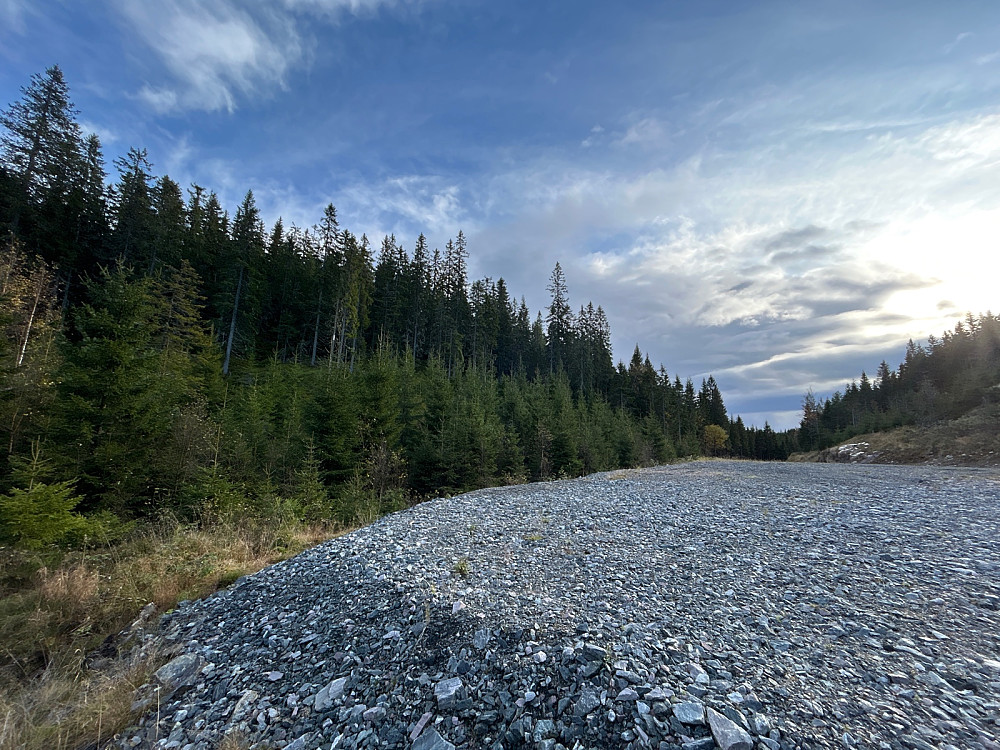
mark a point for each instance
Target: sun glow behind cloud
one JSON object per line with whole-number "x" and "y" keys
{"x": 818, "y": 248}
{"x": 960, "y": 251}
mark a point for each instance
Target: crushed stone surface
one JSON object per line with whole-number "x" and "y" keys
{"x": 710, "y": 604}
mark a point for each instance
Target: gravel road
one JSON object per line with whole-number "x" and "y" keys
{"x": 712, "y": 604}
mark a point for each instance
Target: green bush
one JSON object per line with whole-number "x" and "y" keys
{"x": 40, "y": 515}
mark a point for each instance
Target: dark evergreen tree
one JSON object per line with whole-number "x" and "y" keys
{"x": 209, "y": 250}
{"x": 168, "y": 225}
{"x": 330, "y": 255}
{"x": 246, "y": 265}
{"x": 711, "y": 408}
{"x": 41, "y": 143}
{"x": 132, "y": 237}
{"x": 559, "y": 320}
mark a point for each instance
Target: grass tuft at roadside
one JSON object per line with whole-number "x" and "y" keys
{"x": 58, "y": 607}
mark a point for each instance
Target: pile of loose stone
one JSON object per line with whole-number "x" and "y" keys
{"x": 714, "y": 604}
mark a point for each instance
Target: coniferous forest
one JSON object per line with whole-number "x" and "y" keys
{"x": 165, "y": 354}
{"x": 940, "y": 381}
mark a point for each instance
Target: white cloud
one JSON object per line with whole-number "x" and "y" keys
{"x": 957, "y": 41}
{"x": 165, "y": 100}
{"x": 106, "y": 134}
{"x": 214, "y": 52}
{"x": 647, "y": 132}
{"x": 594, "y": 138}
{"x": 354, "y": 7}
{"x": 220, "y": 52}
{"x": 406, "y": 205}
{"x": 12, "y": 15}
{"x": 179, "y": 156}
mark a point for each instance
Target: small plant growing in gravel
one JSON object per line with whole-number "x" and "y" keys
{"x": 234, "y": 740}
{"x": 461, "y": 567}
{"x": 535, "y": 537}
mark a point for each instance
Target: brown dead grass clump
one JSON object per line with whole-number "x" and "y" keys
{"x": 234, "y": 741}
{"x": 63, "y": 708}
{"x": 56, "y": 607}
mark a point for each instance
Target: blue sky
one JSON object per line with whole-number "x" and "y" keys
{"x": 779, "y": 193}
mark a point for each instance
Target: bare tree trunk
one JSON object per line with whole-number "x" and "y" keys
{"x": 39, "y": 284}
{"x": 343, "y": 338}
{"x": 232, "y": 324}
{"x": 333, "y": 342}
{"x": 319, "y": 308}
{"x": 65, "y": 299}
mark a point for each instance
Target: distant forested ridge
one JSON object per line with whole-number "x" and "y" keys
{"x": 940, "y": 381}
{"x": 162, "y": 353}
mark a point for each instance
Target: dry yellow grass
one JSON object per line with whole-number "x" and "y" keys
{"x": 234, "y": 741}
{"x": 54, "y": 611}
{"x": 63, "y": 709}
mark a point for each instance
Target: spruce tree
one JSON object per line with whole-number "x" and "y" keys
{"x": 559, "y": 320}
{"x": 168, "y": 225}
{"x": 132, "y": 240}
{"x": 41, "y": 140}
{"x": 248, "y": 255}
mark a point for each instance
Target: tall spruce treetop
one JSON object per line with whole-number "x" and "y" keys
{"x": 248, "y": 230}
{"x": 559, "y": 319}
{"x": 94, "y": 174}
{"x": 713, "y": 410}
{"x": 457, "y": 264}
{"x": 133, "y": 209}
{"x": 328, "y": 231}
{"x": 248, "y": 251}
{"x": 91, "y": 221}
{"x": 169, "y": 224}
{"x": 41, "y": 142}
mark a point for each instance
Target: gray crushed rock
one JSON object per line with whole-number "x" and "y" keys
{"x": 726, "y": 733}
{"x": 711, "y": 604}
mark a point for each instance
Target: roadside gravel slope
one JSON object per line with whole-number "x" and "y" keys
{"x": 711, "y": 604}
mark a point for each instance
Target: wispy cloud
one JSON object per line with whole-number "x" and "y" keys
{"x": 221, "y": 52}
{"x": 409, "y": 204}
{"x": 354, "y": 7}
{"x": 13, "y": 14}
{"x": 957, "y": 41}
{"x": 647, "y": 132}
{"x": 594, "y": 138}
{"x": 107, "y": 134}
{"x": 213, "y": 52}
